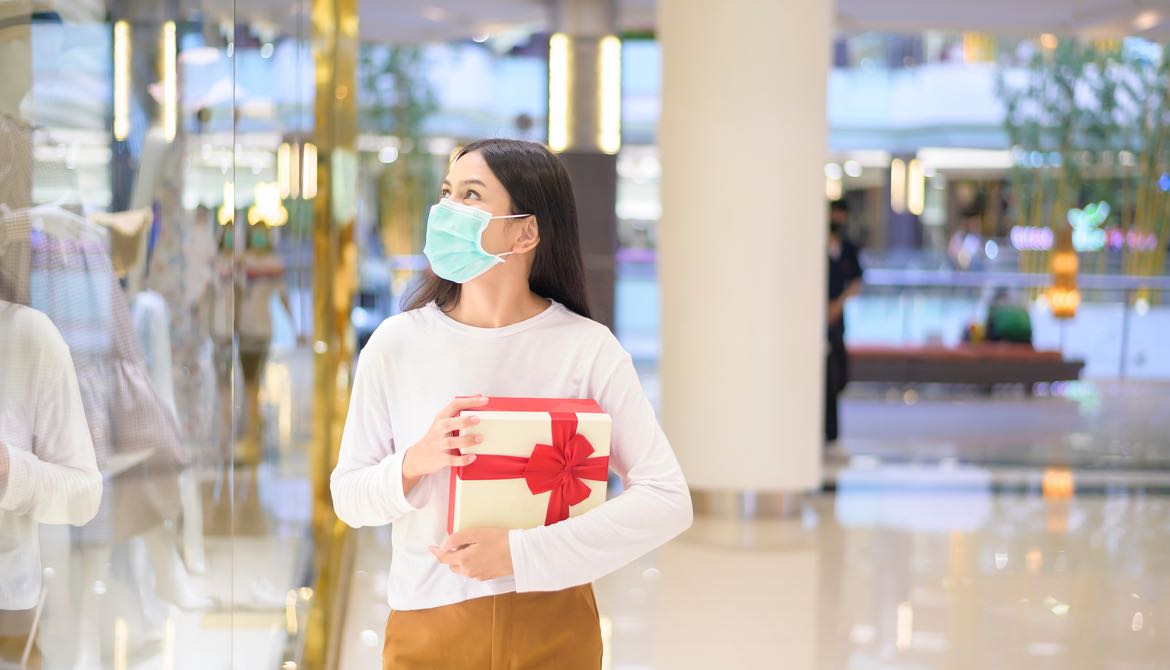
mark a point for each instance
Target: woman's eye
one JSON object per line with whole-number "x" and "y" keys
{"x": 444, "y": 194}
{"x": 472, "y": 195}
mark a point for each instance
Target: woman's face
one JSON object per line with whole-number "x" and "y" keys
{"x": 470, "y": 182}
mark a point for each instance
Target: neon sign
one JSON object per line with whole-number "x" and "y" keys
{"x": 1088, "y": 235}
{"x": 1086, "y": 224}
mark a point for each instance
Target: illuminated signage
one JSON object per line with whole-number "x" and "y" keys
{"x": 1088, "y": 235}
{"x": 1086, "y": 224}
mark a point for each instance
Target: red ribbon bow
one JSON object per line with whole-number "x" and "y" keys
{"x": 559, "y": 467}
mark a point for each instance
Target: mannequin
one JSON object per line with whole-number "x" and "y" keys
{"x": 15, "y": 135}
{"x": 129, "y": 232}
{"x": 156, "y": 152}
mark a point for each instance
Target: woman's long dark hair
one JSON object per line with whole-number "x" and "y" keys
{"x": 538, "y": 184}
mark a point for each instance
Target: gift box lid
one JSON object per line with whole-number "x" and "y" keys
{"x": 504, "y": 404}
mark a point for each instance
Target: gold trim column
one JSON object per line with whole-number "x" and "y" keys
{"x": 335, "y": 49}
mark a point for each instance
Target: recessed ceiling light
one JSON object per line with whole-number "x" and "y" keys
{"x": 436, "y": 14}
{"x": 1146, "y": 20}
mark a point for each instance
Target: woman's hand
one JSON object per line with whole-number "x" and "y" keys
{"x": 439, "y": 448}
{"x": 477, "y": 553}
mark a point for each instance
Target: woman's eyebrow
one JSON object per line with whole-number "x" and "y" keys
{"x": 465, "y": 182}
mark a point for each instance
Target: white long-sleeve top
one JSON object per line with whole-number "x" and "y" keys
{"x": 417, "y": 362}
{"x": 48, "y": 471}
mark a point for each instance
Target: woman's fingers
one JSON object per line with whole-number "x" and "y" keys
{"x": 457, "y": 405}
{"x": 461, "y": 441}
{"x": 460, "y": 461}
{"x": 448, "y": 426}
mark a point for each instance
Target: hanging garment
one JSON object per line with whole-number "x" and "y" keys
{"x": 180, "y": 270}
{"x": 14, "y": 255}
{"x": 16, "y": 168}
{"x": 127, "y": 237}
{"x": 71, "y": 280}
{"x": 152, "y": 324}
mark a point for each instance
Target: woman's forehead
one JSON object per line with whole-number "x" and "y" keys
{"x": 471, "y": 166}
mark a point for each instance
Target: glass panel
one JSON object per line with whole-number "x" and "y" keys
{"x": 116, "y": 529}
{"x": 152, "y": 387}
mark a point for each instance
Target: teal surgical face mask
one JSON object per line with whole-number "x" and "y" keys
{"x": 454, "y": 241}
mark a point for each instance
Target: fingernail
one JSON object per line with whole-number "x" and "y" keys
{"x": 475, "y": 419}
{"x": 479, "y": 438}
{"x": 472, "y": 458}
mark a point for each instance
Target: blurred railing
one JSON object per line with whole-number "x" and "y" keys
{"x": 1117, "y": 334}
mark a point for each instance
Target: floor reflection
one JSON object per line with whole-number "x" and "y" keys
{"x": 154, "y": 604}
{"x": 948, "y": 573}
{"x": 918, "y": 579}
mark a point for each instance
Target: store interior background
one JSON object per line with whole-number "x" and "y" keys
{"x": 953, "y": 525}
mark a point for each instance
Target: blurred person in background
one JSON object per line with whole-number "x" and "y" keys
{"x": 965, "y": 248}
{"x": 844, "y": 282}
{"x": 1008, "y": 319}
{"x": 261, "y": 277}
{"x": 48, "y": 469}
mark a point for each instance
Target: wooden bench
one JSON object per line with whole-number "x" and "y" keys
{"x": 979, "y": 364}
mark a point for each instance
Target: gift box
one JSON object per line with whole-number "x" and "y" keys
{"x": 541, "y": 461}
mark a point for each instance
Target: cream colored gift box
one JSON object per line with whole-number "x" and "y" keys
{"x": 541, "y": 460}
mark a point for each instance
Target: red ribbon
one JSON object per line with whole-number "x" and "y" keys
{"x": 559, "y": 467}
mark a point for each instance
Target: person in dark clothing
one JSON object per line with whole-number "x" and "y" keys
{"x": 844, "y": 282}
{"x": 1008, "y": 320}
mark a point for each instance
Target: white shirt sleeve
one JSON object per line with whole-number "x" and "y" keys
{"x": 654, "y": 507}
{"x": 57, "y": 482}
{"x": 367, "y": 482}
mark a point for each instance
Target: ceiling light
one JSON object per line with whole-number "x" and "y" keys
{"x": 436, "y": 14}
{"x": 1146, "y": 20}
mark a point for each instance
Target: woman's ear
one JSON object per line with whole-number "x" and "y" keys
{"x": 529, "y": 236}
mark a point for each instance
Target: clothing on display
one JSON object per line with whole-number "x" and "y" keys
{"x": 15, "y": 255}
{"x": 128, "y": 231}
{"x": 177, "y": 270}
{"x": 71, "y": 280}
{"x": 151, "y": 320}
{"x": 15, "y": 169}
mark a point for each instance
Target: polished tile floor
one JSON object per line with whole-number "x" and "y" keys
{"x": 881, "y": 578}
{"x": 969, "y": 533}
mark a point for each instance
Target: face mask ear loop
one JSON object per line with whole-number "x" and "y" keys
{"x": 510, "y": 216}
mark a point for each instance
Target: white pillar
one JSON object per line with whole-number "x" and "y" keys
{"x": 742, "y": 259}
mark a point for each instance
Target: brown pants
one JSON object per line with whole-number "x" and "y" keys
{"x": 513, "y": 631}
{"x": 11, "y": 649}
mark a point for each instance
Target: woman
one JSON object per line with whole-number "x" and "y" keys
{"x": 48, "y": 469}
{"x": 262, "y": 277}
{"x": 504, "y": 314}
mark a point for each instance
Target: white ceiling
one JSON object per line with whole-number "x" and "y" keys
{"x": 418, "y": 21}
{"x": 433, "y": 20}
{"x": 1090, "y": 18}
